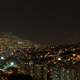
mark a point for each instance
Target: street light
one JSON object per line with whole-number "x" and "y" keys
{"x": 2, "y": 58}
{"x": 12, "y": 63}
{"x": 59, "y": 59}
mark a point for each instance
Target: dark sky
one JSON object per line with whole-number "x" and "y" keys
{"x": 41, "y": 20}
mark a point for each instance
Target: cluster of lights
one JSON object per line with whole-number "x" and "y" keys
{"x": 50, "y": 55}
{"x": 75, "y": 58}
{"x": 58, "y": 58}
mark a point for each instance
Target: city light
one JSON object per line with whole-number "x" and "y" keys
{"x": 12, "y": 63}
{"x": 41, "y": 61}
{"x": 74, "y": 55}
{"x": 59, "y": 59}
{"x": 2, "y": 58}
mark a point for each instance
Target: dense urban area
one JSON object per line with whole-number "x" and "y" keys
{"x": 48, "y": 62}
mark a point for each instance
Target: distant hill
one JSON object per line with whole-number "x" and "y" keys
{"x": 11, "y": 41}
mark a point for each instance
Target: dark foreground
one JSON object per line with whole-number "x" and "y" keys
{"x": 20, "y": 77}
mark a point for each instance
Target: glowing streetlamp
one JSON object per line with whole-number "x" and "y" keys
{"x": 59, "y": 59}
{"x": 12, "y": 63}
{"x": 2, "y": 58}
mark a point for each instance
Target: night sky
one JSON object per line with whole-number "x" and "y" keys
{"x": 41, "y": 20}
